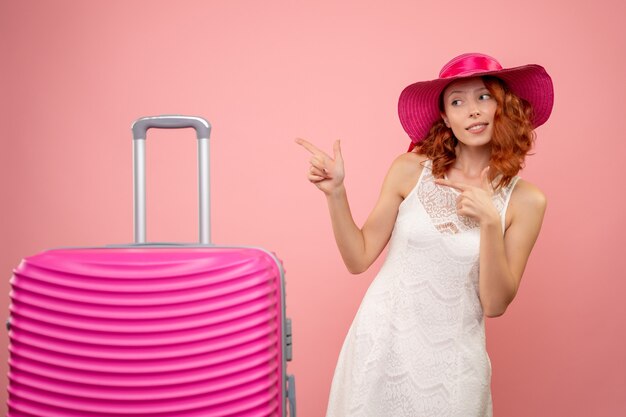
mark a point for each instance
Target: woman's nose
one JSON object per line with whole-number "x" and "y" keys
{"x": 473, "y": 109}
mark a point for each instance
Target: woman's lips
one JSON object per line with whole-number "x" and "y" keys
{"x": 477, "y": 128}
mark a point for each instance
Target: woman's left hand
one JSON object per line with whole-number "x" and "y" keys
{"x": 475, "y": 202}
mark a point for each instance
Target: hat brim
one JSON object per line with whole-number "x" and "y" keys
{"x": 418, "y": 106}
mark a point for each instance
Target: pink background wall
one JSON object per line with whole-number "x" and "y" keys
{"x": 74, "y": 74}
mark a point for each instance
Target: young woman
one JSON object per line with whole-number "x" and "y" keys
{"x": 461, "y": 226}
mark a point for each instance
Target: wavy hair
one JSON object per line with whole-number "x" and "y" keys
{"x": 513, "y": 136}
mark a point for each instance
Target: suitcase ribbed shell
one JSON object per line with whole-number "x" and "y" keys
{"x": 193, "y": 332}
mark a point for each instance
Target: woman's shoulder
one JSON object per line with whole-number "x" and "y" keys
{"x": 527, "y": 195}
{"x": 406, "y": 170}
{"x": 410, "y": 161}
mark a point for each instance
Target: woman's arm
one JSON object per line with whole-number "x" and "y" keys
{"x": 359, "y": 247}
{"x": 502, "y": 258}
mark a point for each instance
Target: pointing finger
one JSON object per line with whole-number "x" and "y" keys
{"x": 309, "y": 146}
{"x": 486, "y": 182}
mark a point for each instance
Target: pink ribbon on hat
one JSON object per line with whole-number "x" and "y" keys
{"x": 469, "y": 64}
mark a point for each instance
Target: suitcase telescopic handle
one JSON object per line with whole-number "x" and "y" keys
{"x": 203, "y": 131}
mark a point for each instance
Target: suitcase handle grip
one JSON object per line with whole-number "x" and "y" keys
{"x": 141, "y": 126}
{"x": 203, "y": 130}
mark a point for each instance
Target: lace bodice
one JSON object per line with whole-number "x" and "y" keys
{"x": 440, "y": 203}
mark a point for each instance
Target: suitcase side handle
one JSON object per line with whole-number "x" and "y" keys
{"x": 203, "y": 130}
{"x": 291, "y": 394}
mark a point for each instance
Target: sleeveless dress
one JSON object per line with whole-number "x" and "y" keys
{"x": 416, "y": 347}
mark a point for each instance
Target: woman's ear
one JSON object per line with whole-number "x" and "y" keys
{"x": 445, "y": 119}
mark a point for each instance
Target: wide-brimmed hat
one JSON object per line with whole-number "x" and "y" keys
{"x": 418, "y": 106}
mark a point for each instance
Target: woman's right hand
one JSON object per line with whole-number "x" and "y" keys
{"x": 325, "y": 172}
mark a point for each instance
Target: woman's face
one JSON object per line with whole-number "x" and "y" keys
{"x": 469, "y": 110}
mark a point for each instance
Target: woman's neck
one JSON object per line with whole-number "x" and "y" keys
{"x": 471, "y": 160}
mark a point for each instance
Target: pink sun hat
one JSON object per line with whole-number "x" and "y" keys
{"x": 418, "y": 106}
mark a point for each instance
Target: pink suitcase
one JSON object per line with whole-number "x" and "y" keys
{"x": 151, "y": 329}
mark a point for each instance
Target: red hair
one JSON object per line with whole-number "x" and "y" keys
{"x": 512, "y": 138}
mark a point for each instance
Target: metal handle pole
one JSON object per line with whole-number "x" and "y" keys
{"x": 203, "y": 131}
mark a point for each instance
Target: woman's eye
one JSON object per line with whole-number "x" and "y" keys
{"x": 485, "y": 96}
{"x": 455, "y": 102}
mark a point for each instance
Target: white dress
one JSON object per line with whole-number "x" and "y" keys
{"x": 416, "y": 347}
